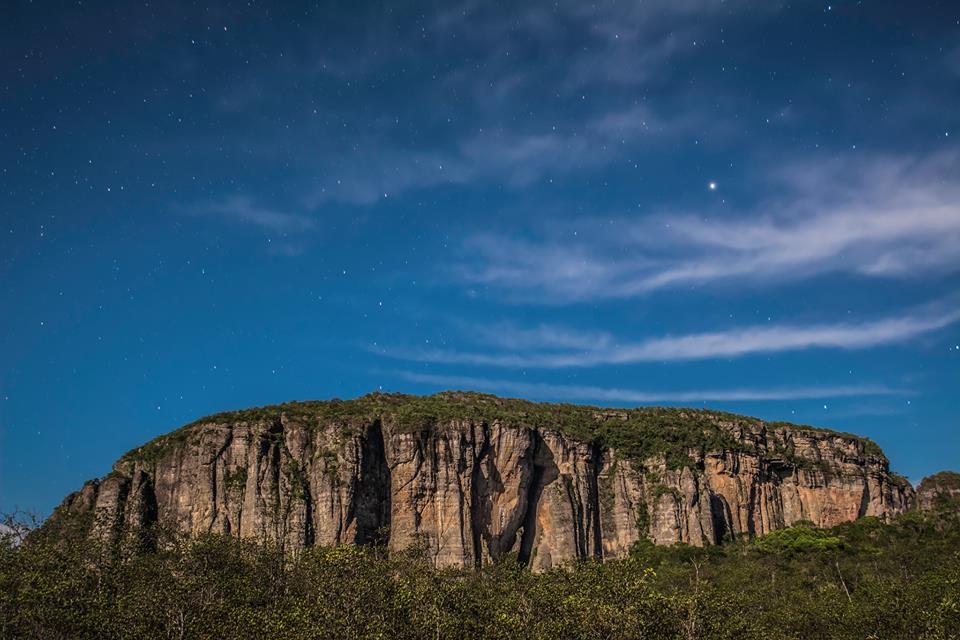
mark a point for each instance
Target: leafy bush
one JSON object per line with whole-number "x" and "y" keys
{"x": 798, "y": 539}
{"x": 895, "y": 581}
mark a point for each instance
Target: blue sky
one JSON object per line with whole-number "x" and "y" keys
{"x": 749, "y": 206}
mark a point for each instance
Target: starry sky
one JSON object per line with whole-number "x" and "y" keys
{"x": 748, "y": 206}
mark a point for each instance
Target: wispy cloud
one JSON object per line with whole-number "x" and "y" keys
{"x": 548, "y": 347}
{"x": 604, "y": 394}
{"x": 885, "y": 217}
{"x": 241, "y": 209}
{"x": 516, "y": 157}
{"x": 470, "y": 104}
{"x": 619, "y": 43}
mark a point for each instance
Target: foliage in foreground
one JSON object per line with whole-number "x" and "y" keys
{"x": 861, "y": 580}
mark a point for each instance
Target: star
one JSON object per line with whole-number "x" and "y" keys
{"x": 712, "y": 186}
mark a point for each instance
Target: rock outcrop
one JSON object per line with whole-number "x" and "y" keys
{"x": 471, "y": 477}
{"x": 939, "y": 490}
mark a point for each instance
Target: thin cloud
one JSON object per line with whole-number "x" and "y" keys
{"x": 240, "y": 209}
{"x": 553, "y": 348}
{"x": 619, "y": 43}
{"x": 512, "y": 156}
{"x": 510, "y": 337}
{"x": 578, "y": 47}
{"x": 633, "y": 396}
{"x": 889, "y": 217}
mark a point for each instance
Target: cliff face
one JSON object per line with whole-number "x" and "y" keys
{"x": 470, "y": 478}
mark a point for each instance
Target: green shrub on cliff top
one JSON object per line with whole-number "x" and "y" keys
{"x": 636, "y": 434}
{"x": 942, "y": 481}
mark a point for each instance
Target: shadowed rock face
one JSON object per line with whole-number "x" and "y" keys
{"x": 469, "y": 490}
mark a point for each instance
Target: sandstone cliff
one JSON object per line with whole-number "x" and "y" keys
{"x": 471, "y": 477}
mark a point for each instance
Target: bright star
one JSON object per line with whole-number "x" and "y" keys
{"x": 713, "y": 186}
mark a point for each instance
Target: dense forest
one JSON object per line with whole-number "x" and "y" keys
{"x": 864, "y": 579}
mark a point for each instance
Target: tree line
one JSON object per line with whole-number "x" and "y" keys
{"x": 864, "y": 579}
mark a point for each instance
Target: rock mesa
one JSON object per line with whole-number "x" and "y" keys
{"x": 472, "y": 477}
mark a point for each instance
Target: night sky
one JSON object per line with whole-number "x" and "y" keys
{"x": 748, "y": 206}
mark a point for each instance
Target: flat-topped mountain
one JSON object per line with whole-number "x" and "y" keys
{"x": 470, "y": 477}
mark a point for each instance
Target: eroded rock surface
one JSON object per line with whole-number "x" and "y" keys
{"x": 470, "y": 489}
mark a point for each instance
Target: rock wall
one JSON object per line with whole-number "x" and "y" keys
{"x": 470, "y": 491}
